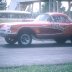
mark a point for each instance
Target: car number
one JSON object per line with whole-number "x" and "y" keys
{"x": 57, "y": 26}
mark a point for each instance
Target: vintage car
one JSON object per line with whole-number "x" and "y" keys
{"x": 57, "y": 26}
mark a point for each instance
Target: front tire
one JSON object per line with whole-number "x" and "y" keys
{"x": 24, "y": 39}
{"x": 10, "y": 40}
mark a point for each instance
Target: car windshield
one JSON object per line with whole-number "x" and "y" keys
{"x": 44, "y": 17}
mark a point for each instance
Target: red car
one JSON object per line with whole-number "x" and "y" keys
{"x": 57, "y": 26}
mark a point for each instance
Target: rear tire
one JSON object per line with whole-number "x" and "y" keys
{"x": 24, "y": 39}
{"x": 71, "y": 39}
{"x": 60, "y": 41}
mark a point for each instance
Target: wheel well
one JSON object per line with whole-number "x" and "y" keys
{"x": 27, "y": 30}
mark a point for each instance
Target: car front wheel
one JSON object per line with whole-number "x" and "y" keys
{"x": 24, "y": 39}
{"x": 10, "y": 40}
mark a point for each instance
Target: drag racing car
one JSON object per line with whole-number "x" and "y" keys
{"x": 57, "y": 26}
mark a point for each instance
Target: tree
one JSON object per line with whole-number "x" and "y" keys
{"x": 45, "y": 7}
{"x": 2, "y": 5}
{"x": 0, "y": 0}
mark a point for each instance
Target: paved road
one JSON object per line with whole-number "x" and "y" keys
{"x": 46, "y": 52}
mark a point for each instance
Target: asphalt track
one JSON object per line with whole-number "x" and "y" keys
{"x": 40, "y": 52}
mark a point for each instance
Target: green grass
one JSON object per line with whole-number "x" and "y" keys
{"x": 39, "y": 68}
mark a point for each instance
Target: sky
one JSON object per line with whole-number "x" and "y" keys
{"x": 65, "y": 4}
{"x": 8, "y": 2}
{"x": 36, "y": 7}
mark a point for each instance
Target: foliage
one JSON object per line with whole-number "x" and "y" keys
{"x": 2, "y": 5}
{"x": 39, "y": 68}
{"x": 45, "y": 7}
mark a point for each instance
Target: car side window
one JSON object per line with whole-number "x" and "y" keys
{"x": 64, "y": 19}
{"x": 60, "y": 19}
{"x": 56, "y": 18}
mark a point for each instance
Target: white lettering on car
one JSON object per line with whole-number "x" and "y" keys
{"x": 57, "y": 26}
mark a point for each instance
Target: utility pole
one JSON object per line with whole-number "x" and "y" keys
{"x": 39, "y": 6}
{"x": 54, "y": 5}
{"x": 49, "y": 5}
{"x": 69, "y": 3}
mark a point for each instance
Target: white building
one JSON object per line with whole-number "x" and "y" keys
{"x": 30, "y": 6}
{"x": 14, "y": 3}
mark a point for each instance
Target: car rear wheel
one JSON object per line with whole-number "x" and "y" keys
{"x": 60, "y": 41}
{"x": 70, "y": 39}
{"x": 24, "y": 39}
{"x": 10, "y": 40}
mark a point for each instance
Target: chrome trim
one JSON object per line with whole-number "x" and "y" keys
{"x": 50, "y": 34}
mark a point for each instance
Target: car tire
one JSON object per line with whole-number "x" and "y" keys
{"x": 24, "y": 39}
{"x": 60, "y": 41}
{"x": 71, "y": 39}
{"x": 10, "y": 40}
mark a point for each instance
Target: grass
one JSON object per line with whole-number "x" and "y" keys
{"x": 39, "y": 68}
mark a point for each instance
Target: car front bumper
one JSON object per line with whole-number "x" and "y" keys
{"x": 4, "y": 33}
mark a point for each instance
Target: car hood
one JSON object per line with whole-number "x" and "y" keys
{"x": 25, "y": 23}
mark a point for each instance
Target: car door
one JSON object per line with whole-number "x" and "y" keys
{"x": 45, "y": 25}
{"x": 45, "y": 28}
